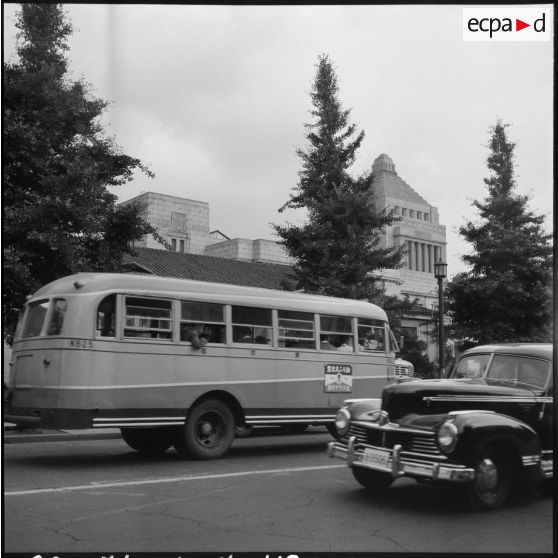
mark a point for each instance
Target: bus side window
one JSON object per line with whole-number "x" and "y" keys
{"x": 57, "y": 317}
{"x": 148, "y": 317}
{"x": 106, "y": 316}
{"x": 371, "y": 335}
{"x": 296, "y": 329}
{"x": 209, "y": 314}
{"x": 336, "y": 333}
{"x": 251, "y": 325}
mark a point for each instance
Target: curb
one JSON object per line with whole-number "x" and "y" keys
{"x": 14, "y": 435}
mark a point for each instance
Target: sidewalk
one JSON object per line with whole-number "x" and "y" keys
{"x": 16, "y": 435}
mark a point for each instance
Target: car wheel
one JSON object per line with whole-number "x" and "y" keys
{"x": 493, "y": 479}
{"x": 148, "y": 441}
{"x": 208, "y": 431}
{"x": 372, "y": 480}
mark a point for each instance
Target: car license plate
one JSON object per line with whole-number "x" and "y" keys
{"x": 377, "y": 459}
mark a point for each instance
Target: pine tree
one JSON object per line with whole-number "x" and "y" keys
{"x": 58, "y": 215}
{"x": 336, "y": 251}
{"x": 506, "y": 296}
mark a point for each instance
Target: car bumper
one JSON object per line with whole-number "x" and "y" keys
{"x": 399, "y": 465}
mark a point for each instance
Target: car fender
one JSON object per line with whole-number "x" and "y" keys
{"x": 361, "y": 409}
{"x": 481, "y": 429}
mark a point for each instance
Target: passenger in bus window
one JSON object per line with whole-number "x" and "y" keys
{"x": 194, "y": 334}
{"x": 243, "y": 335}
{"x": 106, "y": 316}
{"x": 346, "y": 345}
{"x": 206, "y": 333}
{"x": 325, "y": 345}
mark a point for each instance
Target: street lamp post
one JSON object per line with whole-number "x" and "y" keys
{"x": 440, "y": 272}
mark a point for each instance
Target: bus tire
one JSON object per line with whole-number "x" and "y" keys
{"x": 148, "y": 441}
{"x": 208, "y": 431}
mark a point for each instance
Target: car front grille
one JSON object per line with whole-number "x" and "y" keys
{"x": 412, "y": 442}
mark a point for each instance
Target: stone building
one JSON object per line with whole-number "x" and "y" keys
{"x": 420, "y": 231}
{"x": 185, "y": 226}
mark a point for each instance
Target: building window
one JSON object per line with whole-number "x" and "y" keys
{"x": 427, "y": 216}
{"x": 419, "y": 215}
{"x": 410, "y": 332}
{"x": 404, "y": 212}
{"x": 412, "y": 213}
{"x": 173, "y": 244}
{"x": 182, "y": 246}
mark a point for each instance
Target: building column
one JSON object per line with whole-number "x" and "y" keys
{"x": 421, "y": 259}
{"x": 430, "y": 258}
{"x": 411, "y": 254}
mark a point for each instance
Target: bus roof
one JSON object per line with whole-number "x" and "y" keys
{"x": 154, "y": 285}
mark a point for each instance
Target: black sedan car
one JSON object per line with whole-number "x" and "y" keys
{"x": 488, "y": 426}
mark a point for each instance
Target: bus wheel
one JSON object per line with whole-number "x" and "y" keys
{"x": 149, "y": 441}
{"x": 375, "y": 481}
{"x": 208, "y": 432}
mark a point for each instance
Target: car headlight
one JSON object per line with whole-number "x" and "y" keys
{"x": 447, "y": 436}
{"x": 342, "y": 421}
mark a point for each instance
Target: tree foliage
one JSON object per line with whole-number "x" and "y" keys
{"x": 411, "y": 347}
{"x": 506, "y": 296}
{"x": 338, "y": 248}
{"x": 59, "y": 216}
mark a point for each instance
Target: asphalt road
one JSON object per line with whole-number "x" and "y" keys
{"x": 271, "y": 494}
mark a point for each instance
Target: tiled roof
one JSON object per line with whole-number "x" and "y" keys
{"x": 206, "y": 268}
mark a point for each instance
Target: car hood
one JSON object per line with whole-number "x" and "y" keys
{"x": 432, "y": 397}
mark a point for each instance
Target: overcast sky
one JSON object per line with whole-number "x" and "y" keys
{"x": 214, "y": 98}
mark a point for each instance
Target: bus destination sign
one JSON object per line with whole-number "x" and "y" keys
{"x": 338, "y": 378}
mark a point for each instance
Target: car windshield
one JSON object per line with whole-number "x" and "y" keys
{"x": 512, "y": 369}
{"x": 519, "y": 370}
{"x": 473, "y": 366}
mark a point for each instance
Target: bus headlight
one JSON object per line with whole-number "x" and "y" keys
{"x": 342, "y": 422}
{"x": 447, "y": 436}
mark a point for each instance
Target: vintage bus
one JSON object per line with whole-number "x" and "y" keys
{"x": 181, "y": 363}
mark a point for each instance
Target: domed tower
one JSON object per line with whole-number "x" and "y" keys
{"x": 383, "y": 163}
{"x": 419, "y": 226}
{"x": 419, "y": 230}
